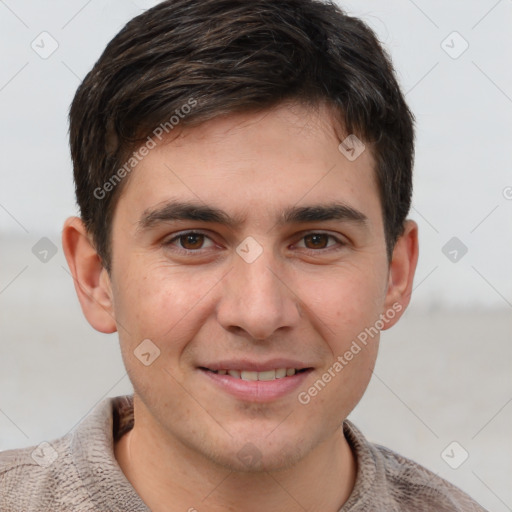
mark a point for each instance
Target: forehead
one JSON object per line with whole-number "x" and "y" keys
{"x": 253, "y": 165}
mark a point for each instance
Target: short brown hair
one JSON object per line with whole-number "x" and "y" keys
{"x": 227, "y": 56}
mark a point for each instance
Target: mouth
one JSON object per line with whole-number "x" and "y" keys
{"x": 267, "y": 375}
{"x": 256, "y": 385}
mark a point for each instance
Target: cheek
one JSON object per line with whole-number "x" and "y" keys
{"x": 163, "y": 303}
{"x": 345, "y": 302}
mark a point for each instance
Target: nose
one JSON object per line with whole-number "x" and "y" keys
{"x": 257, "y": 300}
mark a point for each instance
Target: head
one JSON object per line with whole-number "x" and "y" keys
{"x": 183, "y": 63}
{"x": 225, "y": 117}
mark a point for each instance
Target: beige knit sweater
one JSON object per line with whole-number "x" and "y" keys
{"x": 79, "y": 473}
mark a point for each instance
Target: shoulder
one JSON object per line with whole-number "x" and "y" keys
{"x": 396, "y": 483}
{"x": 75, "y": 472}
{"x": 418, "y": 488}
{"x": 33, "y": 478}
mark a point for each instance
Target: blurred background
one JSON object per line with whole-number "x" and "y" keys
{"x": 442, "y": 389}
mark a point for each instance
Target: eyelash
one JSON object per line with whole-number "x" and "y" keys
{"x": 178, "y": 236}
{"x": 182, "y": 235}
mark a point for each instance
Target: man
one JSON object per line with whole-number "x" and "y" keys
{"x": 244, "y": 173}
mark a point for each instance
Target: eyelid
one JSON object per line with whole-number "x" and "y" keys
{"x": 338, "y": 239}
{"x": 177, "y": 236}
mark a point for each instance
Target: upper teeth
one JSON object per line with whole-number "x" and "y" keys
{"x": 266, "y": 375}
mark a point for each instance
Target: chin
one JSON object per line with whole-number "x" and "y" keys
{"x": 252, "y": 456}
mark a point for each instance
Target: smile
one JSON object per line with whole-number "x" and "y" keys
{"x": 257, "y": 386}
{"x": 267, "y": 375}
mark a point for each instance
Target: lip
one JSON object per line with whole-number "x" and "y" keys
{"x": 259, "y": 390}
{"x": 255, "y": 366}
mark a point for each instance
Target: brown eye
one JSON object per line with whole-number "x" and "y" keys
{"x": 191, "y": 241}
{"x": 316, "y": 241}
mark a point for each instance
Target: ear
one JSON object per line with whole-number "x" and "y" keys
{"x": 92, "y": 282}
{"x": 401, "y": 272}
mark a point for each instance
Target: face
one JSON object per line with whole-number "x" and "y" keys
{"x": 250, "y": 246}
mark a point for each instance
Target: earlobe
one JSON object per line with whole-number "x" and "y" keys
{"x": 401, "y": 271}
{"x": 92, "y": 283}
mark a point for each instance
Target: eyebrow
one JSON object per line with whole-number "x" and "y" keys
{"x": 178, "y": 210}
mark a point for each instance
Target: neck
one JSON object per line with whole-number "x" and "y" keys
{"x": 164, "y": 473}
